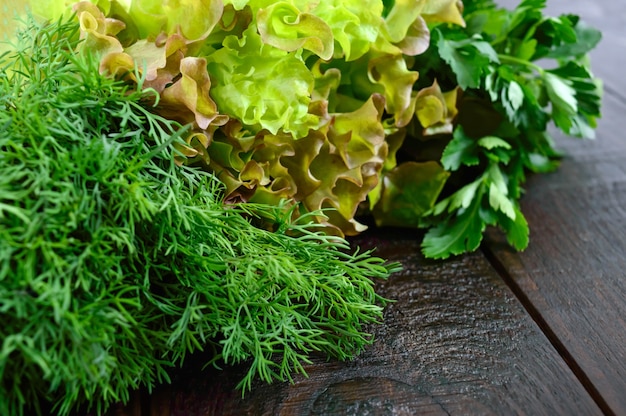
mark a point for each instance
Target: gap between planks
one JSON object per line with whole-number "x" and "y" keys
{"x": 617, "y": 95}
{"x": 545, "y": 328}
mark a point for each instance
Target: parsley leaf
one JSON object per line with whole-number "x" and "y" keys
{"x": 460, "y": 151}
{"x": 520, "y": 71}
{"x": 491, "y": 199}
{"x": 468, "y": 58}
{"x": 457, "y": 236}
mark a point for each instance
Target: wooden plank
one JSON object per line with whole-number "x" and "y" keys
{"x": 572, "y": 280}
{"x": 456, "y": 341}
{"x": 572, "y": 276}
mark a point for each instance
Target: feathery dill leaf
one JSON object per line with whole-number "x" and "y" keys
{"x": 115, "y": 263}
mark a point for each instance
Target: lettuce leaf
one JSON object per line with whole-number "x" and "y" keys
{"x": 297, "y": 99}
{"x": 194, "y": 19}
{"x": 283, "y": 26}
{"x": 264, "y": 87}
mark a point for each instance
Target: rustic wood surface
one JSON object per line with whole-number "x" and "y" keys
{"x": 572, "y": 277}
{"x": 494, "y": 332}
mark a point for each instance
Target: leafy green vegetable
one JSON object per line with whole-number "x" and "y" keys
{"x": 485, "y": 201}
{"x": 408, "y": 192}
{"x": 322, "y": 103}
{"x": 506, "y": 106}
{"x": 116, "y": 263}
{"x": 286, "y": 100}
{"x": 469, "y": 58}
{"x": 249, "y": 85}
{"x": 149, "y": 148}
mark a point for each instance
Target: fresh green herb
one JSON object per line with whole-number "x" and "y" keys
{"x": 116, "y": 263}
{"x": 508, "y": 101}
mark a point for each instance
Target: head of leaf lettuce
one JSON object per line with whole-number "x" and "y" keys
{"x": 301, "y": 100}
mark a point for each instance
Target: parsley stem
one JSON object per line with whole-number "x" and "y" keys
{"x": 522, "y": 62}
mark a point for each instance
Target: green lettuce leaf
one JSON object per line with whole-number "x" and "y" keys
{"x": 285, "y": 27}
{"x": 194, "y": 19}
{"x": 408, "y": 192}
{"x": 355, "y": 24}
{"x": 264, "y": 87}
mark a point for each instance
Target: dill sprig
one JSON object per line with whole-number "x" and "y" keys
{"x": 115, "y": 263}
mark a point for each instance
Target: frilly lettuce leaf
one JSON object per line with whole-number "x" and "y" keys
{"x": 391, "y": 72}
{"x": 400, "y": 17}
{"x": 443, "y": 11}
{"x": 355, "y": 24}
{"x": 435, "y": 110}
{"x": 405, "y": 28}
{"x": 349, "y": 164}
{"x": 374, "y": 73}
{"x": 158, "y": 61}
{"x": 334, "y": 166}
{"x": 237, "y": 4}
{"x": 300, "y": 100}
{"x": 415, "y": 42}
{"x": 264, "y": 87}
{"x": 188, "y": 100}
{"x": 97, "y": 31}
{"x": 194, "y": 19}
{"x": 408, "y": 192}
{"x": 285, "y": 27}
{"x": 326, "y": 84}
{"x": 351, "y": 81}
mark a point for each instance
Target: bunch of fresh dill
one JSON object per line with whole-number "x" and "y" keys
{"x": 115, "y": 263}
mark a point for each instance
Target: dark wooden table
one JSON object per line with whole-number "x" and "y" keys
{"x": 541, "y": 332}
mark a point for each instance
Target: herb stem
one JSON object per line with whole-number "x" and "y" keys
{"x": 508, "y": 59}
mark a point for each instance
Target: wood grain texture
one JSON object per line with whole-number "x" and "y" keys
{"x": 574, "y": 270}
{"x": 572, "y": 277}
{"x": 456, "y": 341}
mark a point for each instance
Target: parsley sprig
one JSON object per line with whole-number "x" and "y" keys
{"x": 520, "y": 72}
